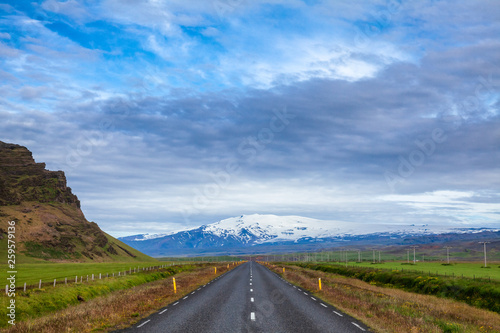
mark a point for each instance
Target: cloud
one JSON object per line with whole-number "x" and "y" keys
{"x": 183, "y": 114}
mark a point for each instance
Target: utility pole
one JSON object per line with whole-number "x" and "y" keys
{"x": 373, "y": 255}
{"x": 484, "y": 243}
{"x": 379, "y": 261}
{"x": 359, "y": 256}
{"x": 414, "y": 259}
{"x": 447, "y": 254}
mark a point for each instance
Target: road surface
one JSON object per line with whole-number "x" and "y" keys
{"x": 249, "y": 298}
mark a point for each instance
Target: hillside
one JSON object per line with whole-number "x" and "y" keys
{"x": 49, "y": 222}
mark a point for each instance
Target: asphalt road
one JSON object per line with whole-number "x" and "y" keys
{"x": 249, "y": 298}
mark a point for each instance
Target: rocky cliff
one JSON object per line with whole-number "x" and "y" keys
{"x": 49, "y": 222}
{"x": 21, "y": 179}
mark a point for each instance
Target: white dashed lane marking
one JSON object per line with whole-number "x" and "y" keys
{"x": 163, "y": 311}
{"x": 185, "y": 297}
{"x": 338, "y": 314}
{"x": 361, "y": 328}
{"x": 251, "y": 299}
{"x": 323, "y": 305}
{"x": 175, "y": 303}
{"x": 313, "y": 298}
{"x": 252, "y": 316}
{"x": 144, "y": 323}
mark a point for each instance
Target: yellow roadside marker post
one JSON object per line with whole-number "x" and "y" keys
{"x": 319, "y": 281}
{"x": 175, "y": 287}
{"x": 215, "y": 268}
{"x": 283, "y": 270}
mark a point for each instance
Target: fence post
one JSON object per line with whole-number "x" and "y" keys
{"x": 24, "y": 286}
{"x": 40, "y": 284}
{"x": 6, "y": 289}
{"x": 99, "y": 276}
{"x": 76, "y": 279}
{"x": 65, "y": 280}
{"x": 92, "y": 277}
{"x": 54, "y": 282}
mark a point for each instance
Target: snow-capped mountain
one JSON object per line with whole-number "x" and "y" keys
{"x": 262, "y": 231}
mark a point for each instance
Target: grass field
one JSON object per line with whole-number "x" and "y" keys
{"x": 389, "y": 309}
{"x": 481, "y": 293}
{"x": 48, "y": 271}
{"x": 458, "y": 269}
{"x": 48, "y": 301}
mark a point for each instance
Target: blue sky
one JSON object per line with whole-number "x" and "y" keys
{"x": 170, "y": 114}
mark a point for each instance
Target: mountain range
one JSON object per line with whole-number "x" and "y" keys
{"x": 271, "y": 233}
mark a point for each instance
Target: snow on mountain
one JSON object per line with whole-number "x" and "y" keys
{"x": 270, "y": 230}
{"x": 273, "y": 228}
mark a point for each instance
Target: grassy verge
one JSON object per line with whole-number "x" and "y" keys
{"x": 111, "y": 303}
{"x": 483, "y": 294}
{"x": 392, "y": 310}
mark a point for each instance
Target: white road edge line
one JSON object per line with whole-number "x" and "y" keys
{"x": 361, "y": 328}
{"x": 252, "y": 316}
{"x": 163, "y": 311}
{"x": 144, "y": 323}
{"x": 338, "y": 314}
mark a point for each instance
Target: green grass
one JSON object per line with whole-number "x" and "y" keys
{"x": 480, "y": 292}
{"x": 48, "y": 271}
{"x": 470, "y": 270}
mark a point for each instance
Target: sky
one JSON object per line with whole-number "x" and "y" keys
{"x": 166, "y": 115}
